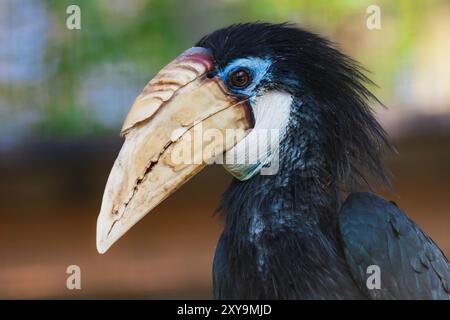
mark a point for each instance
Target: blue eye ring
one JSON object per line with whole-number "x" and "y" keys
{"x": 240, "y": 78}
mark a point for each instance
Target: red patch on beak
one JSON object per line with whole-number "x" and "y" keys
{"x": 200, "y": 55}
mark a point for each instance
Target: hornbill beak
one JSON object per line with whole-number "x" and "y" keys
{"x": 182, "y": 101}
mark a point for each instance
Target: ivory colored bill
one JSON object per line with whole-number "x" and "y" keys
{"x": 185, "y": 68}
{"x": 145, "y": 173}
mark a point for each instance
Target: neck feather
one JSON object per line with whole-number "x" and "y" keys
{"x": 299, "y": 195}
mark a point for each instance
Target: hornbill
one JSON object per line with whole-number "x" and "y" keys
{"x": 309, "y": 230}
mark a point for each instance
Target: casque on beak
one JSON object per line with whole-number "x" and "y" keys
{"x": 174, "y": 105}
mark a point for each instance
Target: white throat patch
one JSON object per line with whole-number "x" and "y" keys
{"x": 256, "y": 152}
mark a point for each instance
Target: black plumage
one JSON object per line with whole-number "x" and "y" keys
{"x": 293, "y": 235}
{"x": 377, "y": 232}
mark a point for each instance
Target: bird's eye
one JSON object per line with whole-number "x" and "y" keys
{"x": 239, "y": 78}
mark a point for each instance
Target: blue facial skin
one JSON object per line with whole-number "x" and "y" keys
{"x": 258, "y": 69}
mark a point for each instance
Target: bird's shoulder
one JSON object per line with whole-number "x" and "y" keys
{"x": 377, "y": 236}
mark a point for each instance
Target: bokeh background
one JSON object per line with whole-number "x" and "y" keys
{"x": 64, "y": 94}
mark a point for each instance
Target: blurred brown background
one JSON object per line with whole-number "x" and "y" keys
{"x": 63, "y": 96}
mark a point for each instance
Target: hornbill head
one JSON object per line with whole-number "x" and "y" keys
{"x": 232, "y": 85}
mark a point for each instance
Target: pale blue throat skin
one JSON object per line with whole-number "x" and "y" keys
{"x": 243, "y": 172}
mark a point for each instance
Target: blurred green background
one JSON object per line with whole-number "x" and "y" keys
{"x": 66, "y": 83}
{"x": 64, "y": 94}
